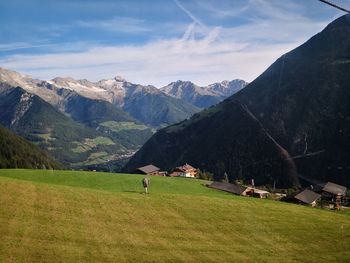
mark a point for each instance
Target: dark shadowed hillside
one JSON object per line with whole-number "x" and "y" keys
{"x": 294, "y": 118}
{"x": 16, "y": 152}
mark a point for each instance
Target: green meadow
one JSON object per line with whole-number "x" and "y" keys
{"x": 72, "y": 216}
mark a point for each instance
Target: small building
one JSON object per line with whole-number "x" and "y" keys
{"x": 332, "y": 189}
{"x": 306, "y": 197}
{"x": 332, "y": 194}
{"x": 231, "y": 188}
{"x": 175, "y": 173}
{"x": 257, "y": 193}
{"x": 150, "y": 170}
{"x": 184, "y": 171}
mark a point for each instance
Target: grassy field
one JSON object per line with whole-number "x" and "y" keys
{"x": 123, "y": 125}
{"x": 66, "y": 216}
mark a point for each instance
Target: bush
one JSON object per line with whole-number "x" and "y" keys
{"x": 205, "y": 175}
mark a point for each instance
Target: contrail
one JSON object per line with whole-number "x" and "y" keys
{"x": 195, "y": 19}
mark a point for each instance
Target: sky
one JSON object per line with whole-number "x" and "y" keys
{"x": 155, "y": 41}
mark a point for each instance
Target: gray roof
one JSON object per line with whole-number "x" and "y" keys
{"x": 334, "y": 188}
{"x": 232, "y": 188}
{"x": 307, "y": 196}
{"x": 148, "y": 169}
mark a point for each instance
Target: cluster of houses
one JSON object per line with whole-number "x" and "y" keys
{"x": 326, "y": 194}
{"x": 329, "y": 193}
{"x": 185, "y": 170}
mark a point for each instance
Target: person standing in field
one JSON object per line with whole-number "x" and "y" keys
{"x": 145, "y": 183}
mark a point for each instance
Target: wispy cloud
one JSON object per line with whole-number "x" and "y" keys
{"x": 117, "y": 24}
{"x": 21, "y": 45}
{"x": 193, "y": 17}
{"x": 204, "y": 52}
{"x": 233, "y": 9}
{"x": 156, "y": 63}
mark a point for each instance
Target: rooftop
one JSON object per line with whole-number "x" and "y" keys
{"x": 307, "y": 196}
{"x": 232, "y": 188}
{"x": 334, "y": 188}
{"x": 148, "y": 169}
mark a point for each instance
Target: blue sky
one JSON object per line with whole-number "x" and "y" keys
{"x": 155, "y": 42}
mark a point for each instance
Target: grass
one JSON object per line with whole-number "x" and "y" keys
{"x": 99, "y": 141}
{"x": 89, "y": 144}
{"x": 123, "y": 125}
{"x": 66, "y": 216}
{"x": 95, "y": 158}
{"x": 46, "y": 136}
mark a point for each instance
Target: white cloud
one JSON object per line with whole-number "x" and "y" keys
{"x": 203, "y": 54}
{"x": 21, "y": 45}
{"x": 117, "y": 24}
{"x": 202, "y": 61}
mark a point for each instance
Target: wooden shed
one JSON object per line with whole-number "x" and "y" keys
{"x": 150, "y": 170}
{"x": 231, "y": 188}
{"x": 308, "y": 197}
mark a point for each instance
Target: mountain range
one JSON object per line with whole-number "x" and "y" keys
{"x": 203, "y": 97}
{"x": 291, "y": 121}
{"x": 83, "y": 123}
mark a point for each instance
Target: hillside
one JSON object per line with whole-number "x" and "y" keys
{"x": 293, "y": 119}
{"x": 65, "y": 216}
{"x": 158, "y": 109}
{"x": 15, "y": 152}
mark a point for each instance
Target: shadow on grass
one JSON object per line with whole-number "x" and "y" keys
{"x": 136, "y": 192}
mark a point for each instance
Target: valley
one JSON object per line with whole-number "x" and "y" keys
{"x": 88, "y": 125}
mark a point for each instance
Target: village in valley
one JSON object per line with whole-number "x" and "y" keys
{"x": 327, "y": 195}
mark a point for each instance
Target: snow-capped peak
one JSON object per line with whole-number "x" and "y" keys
{"x": 119, "y": 79}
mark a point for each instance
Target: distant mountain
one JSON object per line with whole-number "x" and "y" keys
{"x": 293, "y": 119}
{"x": 203, "y": 97}
{"x": 125, "y": 101}
{"x": 16, "y": 152}
{"x": 123, "y": 114}
{"x": 39, "y": 122}
{"x": 95, "y": 117}
{"x": 147, "y": 104}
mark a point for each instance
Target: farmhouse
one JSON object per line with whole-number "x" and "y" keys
{"x": 307, "y": 197}
{"x": 239, "y": 189}
{"x": 231, "y": 188}
{"x": 333, "y": 194}
{"x": 331, "y": 189}
{"x": 184, "y": 171}
{"x": 150, "y": 170}
{"x": 257, "y": 193}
